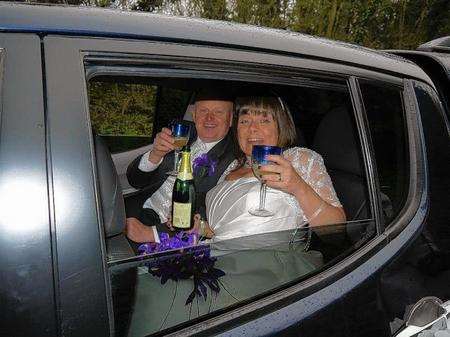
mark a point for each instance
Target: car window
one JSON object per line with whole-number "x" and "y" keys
{"x": 125, "y": 114}
{"x": 385, "y": 114}
{"x": 437, "y": 134}
{"x": 183, "y": 282}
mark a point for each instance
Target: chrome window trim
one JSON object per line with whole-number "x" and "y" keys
{"x": 218, "y": 73}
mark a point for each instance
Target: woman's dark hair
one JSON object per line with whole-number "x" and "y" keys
{"x": 267, "y": 105}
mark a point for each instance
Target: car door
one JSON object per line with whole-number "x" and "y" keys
{"x": 91, "y": 292}
{"x": 27, "y": 287}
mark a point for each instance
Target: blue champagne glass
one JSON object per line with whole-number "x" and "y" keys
{"x": 259, "y": 157}
{"x": 180, "y": 133}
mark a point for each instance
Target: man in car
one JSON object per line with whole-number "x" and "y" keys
{"x": 212, "y": 116}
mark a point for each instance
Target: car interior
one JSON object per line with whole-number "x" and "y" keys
{"x": 322, "y": 112}
{"x": 324, "y": 121}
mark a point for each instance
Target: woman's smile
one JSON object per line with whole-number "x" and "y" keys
{"x": 256, "y": 129}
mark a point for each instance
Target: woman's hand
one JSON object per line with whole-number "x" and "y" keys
{"x": 286, "y": 180}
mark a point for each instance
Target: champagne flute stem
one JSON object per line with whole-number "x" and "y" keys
{"x": 262, "y": 197}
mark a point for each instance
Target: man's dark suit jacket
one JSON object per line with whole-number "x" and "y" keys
{"x": 150, "y": 182}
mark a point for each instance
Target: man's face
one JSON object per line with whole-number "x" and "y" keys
{"x": 212, "y": 119}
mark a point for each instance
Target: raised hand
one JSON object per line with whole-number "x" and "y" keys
{"x": 287, "y": 179}
{"x": 163, "y": 144}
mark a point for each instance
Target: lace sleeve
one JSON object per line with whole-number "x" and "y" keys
{"x": 309, "y": 165}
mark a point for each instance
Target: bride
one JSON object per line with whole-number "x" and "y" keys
{"x": 301, "y": 193}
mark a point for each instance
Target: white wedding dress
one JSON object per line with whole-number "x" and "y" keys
{"x": 227, "y": 204}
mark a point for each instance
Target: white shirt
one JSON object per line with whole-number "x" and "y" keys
{"x": 161, "y": 200}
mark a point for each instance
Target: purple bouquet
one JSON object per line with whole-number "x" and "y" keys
{"x": 204, "y": 166}
{"x": 194, "y": 262}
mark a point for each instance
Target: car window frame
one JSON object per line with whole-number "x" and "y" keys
{"x": 346, "y": 80}
{"x": 416, "y": 145}
{"x": 400, "y": 86}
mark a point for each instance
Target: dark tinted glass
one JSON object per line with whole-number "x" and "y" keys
{"x": 436, "y": 133}
{"x": 172, "y": 104}
{"x": 384, "y": 109}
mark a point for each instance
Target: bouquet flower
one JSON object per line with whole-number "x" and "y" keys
{"x": 193, "y": 262}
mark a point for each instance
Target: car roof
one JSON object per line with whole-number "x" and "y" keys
{"x": 88, "y": 21}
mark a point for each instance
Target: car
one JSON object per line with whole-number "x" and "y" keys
{"x": 84, "y": 91}
{"x": 434, "y": 58}
{"x": 429, "y": 314}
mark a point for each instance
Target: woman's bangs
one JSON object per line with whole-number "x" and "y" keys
{"x": 251, "y": 110}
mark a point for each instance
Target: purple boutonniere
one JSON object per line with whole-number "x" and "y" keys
{"x": 204, "y": 166}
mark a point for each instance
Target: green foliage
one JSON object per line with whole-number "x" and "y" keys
{"x": 122, "y": 109}
{"x": 381, "y": 24}
{"x": 372, "y": 23}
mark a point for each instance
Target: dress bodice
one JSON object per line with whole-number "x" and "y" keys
{"x": 228, "y": 203}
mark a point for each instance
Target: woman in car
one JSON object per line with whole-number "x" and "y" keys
{"x": 301, "y": 192}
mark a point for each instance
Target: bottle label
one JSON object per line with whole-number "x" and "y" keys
{"x": 182, "y": 215}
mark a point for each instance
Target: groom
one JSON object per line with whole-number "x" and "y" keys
{"x": 212, "y": 116}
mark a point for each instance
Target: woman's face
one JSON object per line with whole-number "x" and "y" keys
{"x": 256, "y": 129}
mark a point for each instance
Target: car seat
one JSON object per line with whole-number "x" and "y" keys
{"x": 336, "y": 140}
{"x": 112, "y": 203}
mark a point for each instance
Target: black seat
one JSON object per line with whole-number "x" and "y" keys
{"x": 112, "y": 203}
{"x": 336, "y": 140}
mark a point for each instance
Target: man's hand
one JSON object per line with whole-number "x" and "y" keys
{"x": 138, "y": 232}
{"x": 169, "y": 222}
{"x": 162, "y": 145}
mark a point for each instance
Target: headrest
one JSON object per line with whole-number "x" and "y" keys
{"x": 112, "y": 202}
{"x": 336, "y": 140}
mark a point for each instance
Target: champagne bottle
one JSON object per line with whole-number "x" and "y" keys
{"x": 183, "y": 195}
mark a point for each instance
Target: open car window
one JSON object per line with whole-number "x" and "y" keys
{"x": 187, "y": 281}
{"x": 125, "y": 113}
